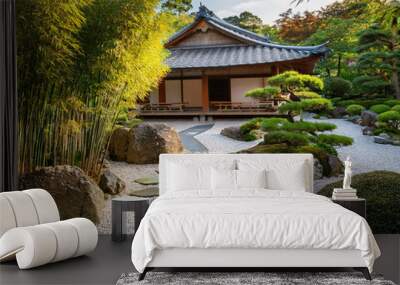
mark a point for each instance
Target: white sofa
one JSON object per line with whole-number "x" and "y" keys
{"x": 31, "y": 231}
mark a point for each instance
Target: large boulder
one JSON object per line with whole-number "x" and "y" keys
{"x": 148, "y": 141}
{"x": 75, "y": 193}
{"x": 119, "y": 142}
{"x": 233, "y": 133}
{"x": 338, "y": 112}
{"x": 383, "y": 138}
{"x": 335, "y": 165}
{"x": 368, "y": 118}
{"x": 368, "y": 131}
{"x": 318, "y": 170}
{"x": 111, "y": 183}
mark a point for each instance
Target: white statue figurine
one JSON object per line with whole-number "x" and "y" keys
{"x": 347, "y": 174}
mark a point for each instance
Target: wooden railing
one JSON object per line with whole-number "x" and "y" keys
{"x": 220, "y": 106}
{"x": 147, "y": 107}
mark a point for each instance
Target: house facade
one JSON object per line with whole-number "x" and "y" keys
{"x": 213, "y": 63}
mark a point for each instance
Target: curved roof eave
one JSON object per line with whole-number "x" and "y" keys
{"x": 243, "y": 34}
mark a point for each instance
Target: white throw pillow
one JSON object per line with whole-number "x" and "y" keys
{"x": 251, "y": 178}
{"x": 185, "y": 177}
{"x": 223, "y": 179}
{"x": 231, "y": 180}
{"x": 194, "y": 176}
{"x": 281, "y": 174}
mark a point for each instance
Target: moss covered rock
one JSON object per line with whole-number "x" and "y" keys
{"x": 381, "y": 189}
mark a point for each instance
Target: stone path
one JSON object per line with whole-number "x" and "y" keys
{"x": 190, "y": 142}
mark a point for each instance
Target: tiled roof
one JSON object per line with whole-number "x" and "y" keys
{"x": 234, "y": 55}
{"x": 259, "y": 49}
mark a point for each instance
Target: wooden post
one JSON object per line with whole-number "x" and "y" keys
{"x": 204, "y": 93}
{"x": 161, "y": 92}
{"x": 182, "y": 98}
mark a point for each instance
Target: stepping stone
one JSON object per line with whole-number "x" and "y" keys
{"x": 152, "y": 180}
{"x": 147, "y": 192}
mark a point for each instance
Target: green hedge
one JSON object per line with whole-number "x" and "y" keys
{"x": 334, "y": 140}
{"x": 248, "y": 126}
{"x": 355, "y": 109}
{"x": 307, "y": 95}
{"x": 396, "y": 108}
{"x": 392, "y": 102}
{"x": 367, "y": 103}
{"x": 381, "y": 189}
{"x": 380, "y": 108}
{"x": 290, "y": 138}
{"x": 337, "y": 87}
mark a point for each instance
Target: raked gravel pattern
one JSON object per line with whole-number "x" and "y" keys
{"x": 365, "y": 154}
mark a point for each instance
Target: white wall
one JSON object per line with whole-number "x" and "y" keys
{"x": 153, "y": 96}
{"x": 172, "y": 91}
{"x": 239, "y": 86}
{"x": 192, "y": 92}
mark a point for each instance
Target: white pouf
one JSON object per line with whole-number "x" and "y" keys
{"x": 31, "y": 232}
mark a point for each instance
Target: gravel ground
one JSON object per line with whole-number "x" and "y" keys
{"x": 365, "y": 154}
{"x": 128, "y": 173}
{"x": 216, "y": 143}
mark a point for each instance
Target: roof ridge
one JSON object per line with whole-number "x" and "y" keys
{"x": 246, "y": 35}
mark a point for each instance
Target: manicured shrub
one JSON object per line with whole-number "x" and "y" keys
{"x": 316, "y": 105}
{"x": 367, "y": 103}
{"x": 310, "y": 105}
{"x": 391, "y": 118}
{"x": 307, "y": 95}
{"x": 318, "y": 152}
{"x": 309, "y": 127}
{"x": 323, "y": 126}
{"x": 337, "y": 87}
{"x": 355, "y": 109}
{"x": 380, "y": 108}
{"x": 272, "y": 124}
{"x": 251, "y": 136}
{"x": 294, "y": 81}
{"x": 346, "y": 103}
{"x": 272, "y": 91}
{"x": 396, "y": 108}
{"x": 301, "y": 126}
{"x": 334, "y": 140}
{"x": 253, "y": 124}
{"x": 289, "y": 138}
{"x": 263, "y": 93}
{"x": 381, "y": 189}
{"x": 392, "y": 102}
{"x": 328, "y": 148}
{"x": 291, "y": 107}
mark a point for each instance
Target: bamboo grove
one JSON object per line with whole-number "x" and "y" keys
{"x": 79, "y": 63}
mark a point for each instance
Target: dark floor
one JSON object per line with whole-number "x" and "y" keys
{"x": 111, "y": 259}
{"x": 103, "y": 266}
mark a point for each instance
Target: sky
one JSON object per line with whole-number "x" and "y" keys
{"x": 267, "y": 10}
